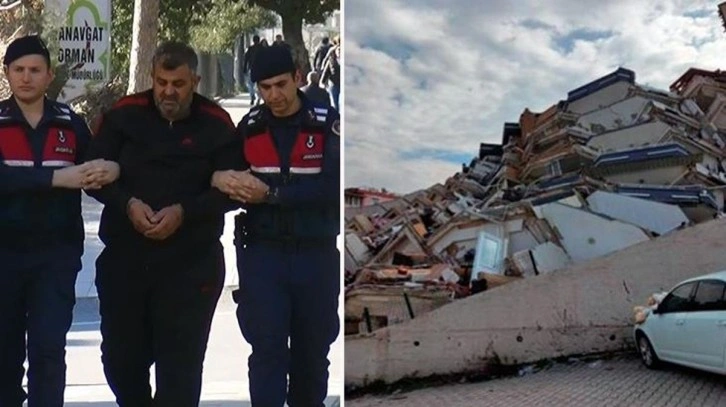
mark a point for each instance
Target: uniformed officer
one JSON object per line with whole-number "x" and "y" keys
{"x": 42, "y": 144}
{"x": 162, "y": 270}
{"x": 288, "y": 262}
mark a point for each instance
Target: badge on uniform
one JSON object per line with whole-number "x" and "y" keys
{"x": 61, "y": 136}
{"x": 311, "y": 141}
{"x": 336, "y": 127}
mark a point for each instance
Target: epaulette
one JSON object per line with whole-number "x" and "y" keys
{"x": 321, "y": 114}
{"x": 316, "y": 116}
{"x": 5, "y": 111}
{"x": 254, "y": 116}
{"x": 61, "y": 111}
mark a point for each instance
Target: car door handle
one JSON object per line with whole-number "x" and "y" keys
{"x": 680, "y": 321}
{"x": 721, "y": 323}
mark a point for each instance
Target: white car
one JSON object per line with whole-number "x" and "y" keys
{"x": 688, "y": 327}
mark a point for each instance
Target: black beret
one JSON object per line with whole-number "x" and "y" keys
{"x": 271, "y": 61}
{"x": 29, "y": 45}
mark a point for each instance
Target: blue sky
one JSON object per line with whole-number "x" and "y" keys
{"x": 427, "y": 81}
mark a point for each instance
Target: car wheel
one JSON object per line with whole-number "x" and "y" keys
{"x": 647, "y": 353}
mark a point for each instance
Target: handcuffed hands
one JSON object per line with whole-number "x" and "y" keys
{"x": 154, "y": 225}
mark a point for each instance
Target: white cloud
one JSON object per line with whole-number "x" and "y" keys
{"x": 435, "y": 78}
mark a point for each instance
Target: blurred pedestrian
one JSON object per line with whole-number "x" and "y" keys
{"x": 314, "y": 92}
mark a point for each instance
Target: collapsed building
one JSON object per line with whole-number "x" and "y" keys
{"x": 613, "y": 165}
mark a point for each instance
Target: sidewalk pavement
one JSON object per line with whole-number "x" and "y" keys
{"x": 225, "y": 381}
{"x": 621, "y": 381}
{"x": 236, "y": 106}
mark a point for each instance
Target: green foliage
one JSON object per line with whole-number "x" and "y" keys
{"x": 176, "y": 17}
{"x": 122, "y": 18}
{"x": 312, "y": 11}
{"x": 294, "y": 13}
{"x": 210, "y": 25}
{"x": 218, "y": 29}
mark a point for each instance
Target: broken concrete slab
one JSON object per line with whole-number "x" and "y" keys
{"x": 549, "y": 257}
{"x": 656, "y": 217}
{"x": 586, "y": 235}
{"x": 534, "y": 196}
{"x": 586, "y": 308}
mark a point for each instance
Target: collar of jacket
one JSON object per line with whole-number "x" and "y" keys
{"x": 307, "y": 114}
{"x": 193, "y": 108}
{"x": 10, "y": 107}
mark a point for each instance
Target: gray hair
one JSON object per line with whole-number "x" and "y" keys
{"x": 171, "y": 55}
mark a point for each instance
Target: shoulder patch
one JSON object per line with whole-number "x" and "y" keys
{"x": 335, "y": 127}
{"x": 318, "y": 115}
{"x": 61, "y": 112}
{"x": 4, "y": 112}
{"x": 253, "y": 116}
{"x": 61, "y": 108}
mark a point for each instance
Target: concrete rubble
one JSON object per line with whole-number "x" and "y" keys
{"x": 613, "y": 165}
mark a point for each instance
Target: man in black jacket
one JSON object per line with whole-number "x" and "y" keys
{"x": 162, "y": 270}
{"x": 314, "y": 92}
{"x": 247, "y": 65}
{"x": 331, "y": 72}
{"x": 320, "y": 54}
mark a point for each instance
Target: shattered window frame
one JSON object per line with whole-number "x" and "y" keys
{"x": 488, "y": 261}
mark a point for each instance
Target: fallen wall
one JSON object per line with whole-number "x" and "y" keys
{"x": 584, "y": 309}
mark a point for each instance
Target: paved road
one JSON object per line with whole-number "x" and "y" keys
{"x": 621, "y": 381}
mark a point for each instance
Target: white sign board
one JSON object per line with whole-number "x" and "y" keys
{"x": 83, "y": 31}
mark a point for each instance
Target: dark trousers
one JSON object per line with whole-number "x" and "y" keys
{"x": 288, "y": 292}
{"x": 160, "y": 313}
{"x": 37, "y": 295}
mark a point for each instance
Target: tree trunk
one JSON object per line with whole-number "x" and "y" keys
{"x": 292, "y": 32}
{"x": 145, "y": 34}
{"x": 33, "y": 23}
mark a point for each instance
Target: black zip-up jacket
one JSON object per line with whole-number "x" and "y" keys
{"x": 33, "y": 214}
{"x": 164, "y": 163}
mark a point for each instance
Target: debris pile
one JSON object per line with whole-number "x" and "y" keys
{"x": 613, "y": 165}
{"x": 641, "y": 312}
